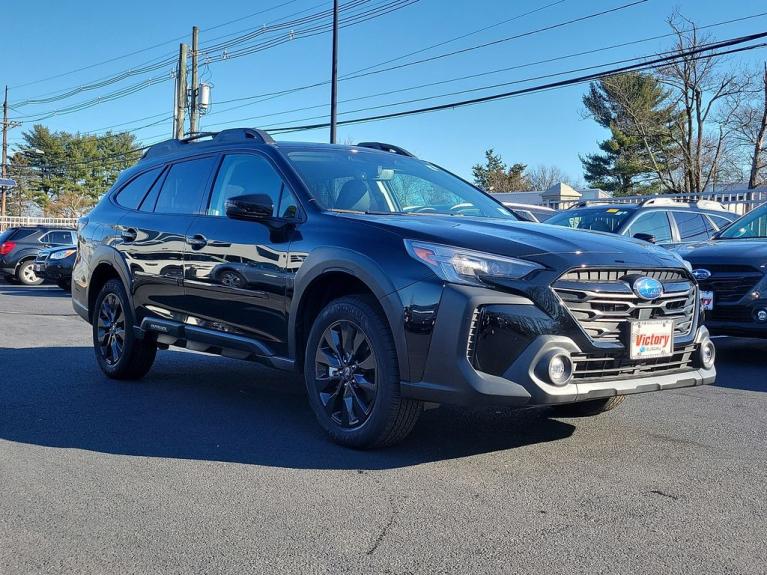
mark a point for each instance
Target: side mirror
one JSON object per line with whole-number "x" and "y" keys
{"x": 645, "y": 237}
{"x": 250, "y": 207}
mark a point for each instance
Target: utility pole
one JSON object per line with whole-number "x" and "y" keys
{"x": 181, "y": 94}
{"x": 334, "y": 77}
{"x": 194, "y": 119}
{"x": 6, "y": 125}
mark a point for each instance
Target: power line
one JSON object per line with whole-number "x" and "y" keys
{"x": 363, "y": 72}
{"x": 271, "y": 95}
{"x": 162, "y": 61}
{"x": 350, "y": 20}
{"x": 147, "y": 49}
{"x": 706, "y": 51}
{"x": 656, "y": 63}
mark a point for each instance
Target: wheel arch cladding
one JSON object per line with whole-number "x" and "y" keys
{"x": 333, "y": 275}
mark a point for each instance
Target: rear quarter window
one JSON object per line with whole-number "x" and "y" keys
{"x": 131, "y": 195}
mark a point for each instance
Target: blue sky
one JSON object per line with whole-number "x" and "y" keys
{"x": 48, "y": 38}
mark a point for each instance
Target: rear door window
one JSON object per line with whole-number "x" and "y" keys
{"x": 132, "y": 194}
{"x": 185, "y": 186}
{"x": 654, "y": 223}
{"x": 692, "y": 226}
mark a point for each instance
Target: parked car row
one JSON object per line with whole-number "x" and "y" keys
{"x": 32, "y": 255}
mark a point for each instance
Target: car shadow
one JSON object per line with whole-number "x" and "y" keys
{"x": 44, "y": 290}
{"x": 193, "y": 406}
{"x": 741, "y": 363}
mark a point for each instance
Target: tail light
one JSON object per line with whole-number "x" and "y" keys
{"x": 6, "y": 248}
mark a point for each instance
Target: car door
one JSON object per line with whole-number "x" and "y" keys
{"x": 654, "y": 223}
{"x": 235, "y": 270}
{"x": 153, "y": 236}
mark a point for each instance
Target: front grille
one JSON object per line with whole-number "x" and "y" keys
{"x": 602, "y": 301}
{"x": 601, "y": 366}
{"x": 730, "y": 282}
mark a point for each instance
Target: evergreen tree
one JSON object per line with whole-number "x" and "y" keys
{"x": 495, "y": 176}
{"x": 636, "y": 158}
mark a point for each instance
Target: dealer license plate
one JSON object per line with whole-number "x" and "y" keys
{"x": 651, "y": 338}
{"x": 707, "y": 299}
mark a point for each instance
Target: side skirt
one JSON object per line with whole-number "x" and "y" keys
{"x": 167, "y": 332}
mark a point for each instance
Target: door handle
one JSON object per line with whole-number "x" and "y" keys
{"x": 197, "y": 241}
{"x": 128, "y": 235}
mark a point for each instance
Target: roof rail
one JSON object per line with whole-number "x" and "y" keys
{"x": 664, "y": 202}
{"x": 235, "y": 134}
{"x": 173, "y": 145}
{"x": 386, "y": 148}
{"x": 230, "y": 135}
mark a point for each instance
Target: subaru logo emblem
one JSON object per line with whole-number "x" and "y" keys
{"x": 701, "y": 274}
{"x": 647, "y": 288}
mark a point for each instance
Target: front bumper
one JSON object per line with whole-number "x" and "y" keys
{"x": 738, "y": 320}
{"x": 522, "y": 336}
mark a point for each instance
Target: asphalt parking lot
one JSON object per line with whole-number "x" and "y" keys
{"x": 211, "y": 466}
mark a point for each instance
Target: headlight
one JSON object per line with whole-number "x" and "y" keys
{"x": 60, "y": 255}
{"x": 458, "y": 265}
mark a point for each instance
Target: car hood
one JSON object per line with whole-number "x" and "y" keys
{"x": 553, "y": 246}
{"x": 48, "y": 251}
{"x": 745, "y": 251}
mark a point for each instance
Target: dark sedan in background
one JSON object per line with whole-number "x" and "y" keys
{"x": 731, "y": 270}
{"x": 55, "y": 265}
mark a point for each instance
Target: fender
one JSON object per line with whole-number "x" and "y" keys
{"x": 335, "y": 259}
{"x": 105, "y": 254}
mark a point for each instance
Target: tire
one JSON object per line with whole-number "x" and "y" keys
{"x": 26, "y": 275}
{"x": 356, "y": 396}
{"x": 589, "y": 408}
{"x": 119, "y": 354}
{"x": 65, "y": 285}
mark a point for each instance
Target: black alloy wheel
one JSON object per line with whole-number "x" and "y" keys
{"x": 345, "y": 374}
{"x": 119, "y": 352}
{"x": 111, "y": 329}
{"x": 351, "y": 370}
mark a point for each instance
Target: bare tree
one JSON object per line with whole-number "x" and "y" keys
{"x": 542, "y": 177}
{"x": 706, "y": 100}
{"x": 749, "y": 123}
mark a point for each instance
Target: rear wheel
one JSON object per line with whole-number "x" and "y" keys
{"x": 26, "y": 274}
{"x": 119, "y": 353}
{"x": 352, "y": 376}
{"x": 589, "y": 408}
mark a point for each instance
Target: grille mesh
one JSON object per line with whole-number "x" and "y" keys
{"x": 602, "y": 301}
{"x": 600, "y": 366}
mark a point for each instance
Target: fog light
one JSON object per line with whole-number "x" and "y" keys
{"x": 761, "y": 315}
{"x": 707, "y": 354}
{"x": 560, "y": 369}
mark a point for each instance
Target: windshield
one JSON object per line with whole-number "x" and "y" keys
{"x": 752, "y": 225}
{"x": 596, "y": 219}
{"x": 375, "y": 182}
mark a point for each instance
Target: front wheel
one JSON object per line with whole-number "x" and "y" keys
{"x": 119, "y": 353}
{"x": 26, "y": 274}
{"x": 352, "y": 376}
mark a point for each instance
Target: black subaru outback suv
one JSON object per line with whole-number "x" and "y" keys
{"x": 387, "y": 280}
